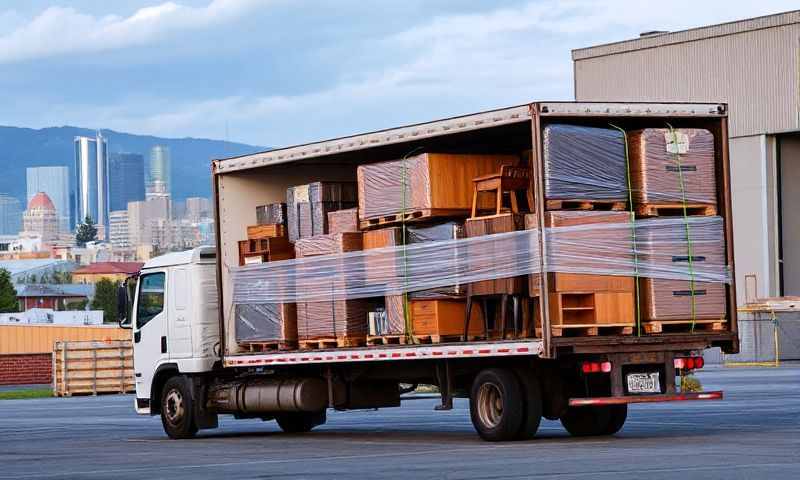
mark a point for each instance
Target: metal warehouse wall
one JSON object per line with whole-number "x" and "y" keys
{"x": 752, "y": 65}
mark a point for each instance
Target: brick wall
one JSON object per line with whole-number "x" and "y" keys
{"x": 26, "y": 368}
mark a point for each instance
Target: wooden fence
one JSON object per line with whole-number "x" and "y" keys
{"x": 90, "y": 368}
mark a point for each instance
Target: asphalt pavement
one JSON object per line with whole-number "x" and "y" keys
{"x": 753, "y": 433}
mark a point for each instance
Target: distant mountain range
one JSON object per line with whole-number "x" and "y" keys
{"x": 21, "y": 148}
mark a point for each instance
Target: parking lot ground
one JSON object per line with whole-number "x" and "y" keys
{"x": 753, "y": 433}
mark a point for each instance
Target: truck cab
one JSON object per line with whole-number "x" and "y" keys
{"x": 174, "y": 315}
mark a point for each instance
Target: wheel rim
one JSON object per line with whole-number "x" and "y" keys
{"x": 173, "y": 407}
{"x": 490, "y": 405}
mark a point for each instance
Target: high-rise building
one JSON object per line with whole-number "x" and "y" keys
{"x": 91, "y": 180}
{"x": 158, "y": 172}
{"x": 54, "y": 181}
{"x": 10, "y": 215}
{"x": 118, "y": 230}
{"x": 197, "y": 208}
{"x": 41, "y": 217}
{"x": 142, "y": 217}
{"x": 125, "y": 180}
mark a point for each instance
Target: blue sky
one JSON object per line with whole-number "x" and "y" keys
{"x": 280, "y": 72}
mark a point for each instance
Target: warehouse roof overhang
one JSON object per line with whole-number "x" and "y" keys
{"x": 690, "y": 35}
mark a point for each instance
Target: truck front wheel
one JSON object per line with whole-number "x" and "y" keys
{"x": 177, "y": 409}
{"x": 496, "y": 405}
{"x": 595, "y": 420}
{"x": 300, "y": 422}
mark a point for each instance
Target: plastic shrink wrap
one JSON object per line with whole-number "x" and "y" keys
{"x": 273, "y": 213}
{"x": 434, "y": 233}
{"x": 672, "y": 166}
{"x": 394, "y": 305}
{"x": 423, "y": 183}
{"x": 584, "y": 163}
{"x": 308, "y": 205}
{"x": 509, "y": 222}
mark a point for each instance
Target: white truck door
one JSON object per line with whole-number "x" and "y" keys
{"x": 179, "y": 339}
{"x": 149, "y": 329}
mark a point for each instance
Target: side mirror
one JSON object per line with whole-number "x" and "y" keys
{"x": 122, "y": 306}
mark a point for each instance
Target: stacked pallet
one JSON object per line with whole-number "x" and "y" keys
{"x": 583, "y": 303}
{"x": 673, "y": 174}
{"x": 332, "y": 323}
{"x": 308, "y": 206}
{"x": 266, "y": 326}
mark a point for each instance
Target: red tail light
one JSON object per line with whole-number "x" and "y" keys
{"x": 689, "y": 363}
{"x": 596, "y": 367}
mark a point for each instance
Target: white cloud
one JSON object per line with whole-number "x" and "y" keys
{"x": 58, "y": 30}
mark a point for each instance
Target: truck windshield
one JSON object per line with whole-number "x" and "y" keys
{"x": 151, "y": 297}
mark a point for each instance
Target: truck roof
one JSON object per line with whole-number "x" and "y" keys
{"x": 464, "y": 123}
{"x": 205, "y": 254}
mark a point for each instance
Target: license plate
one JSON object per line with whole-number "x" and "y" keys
{"x": 643, "y": 383}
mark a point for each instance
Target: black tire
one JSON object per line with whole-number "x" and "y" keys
{"x": 177, "y": 409}
{"x": 495, "y": 405}
{"x": 595, "y": 420}
{"x": 300, "y": 422}
{"x": 532, "y": 401}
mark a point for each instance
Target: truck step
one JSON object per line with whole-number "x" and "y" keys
{"x": 683, "y": 326}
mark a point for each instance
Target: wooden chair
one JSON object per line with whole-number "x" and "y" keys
{"x": 509, "y": 179}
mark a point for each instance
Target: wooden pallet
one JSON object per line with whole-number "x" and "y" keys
{"x": 603, "y": 205}
{"x": 683, "y": 326}
{"x": 588, "y": 330}
{"x": 339, "y": 342}
{"x": 271, "y": 346}
{"x": 675, "y": 209}
{"x": 373, "y": 340}
{"x": 429, "y": 339}
{"x": 411, "y": 216}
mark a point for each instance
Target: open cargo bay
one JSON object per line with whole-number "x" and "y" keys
{"x": 529, "y": 132}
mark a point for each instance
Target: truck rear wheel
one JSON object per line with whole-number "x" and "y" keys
{"x": 177, "y": 409}
{"x": 495, "y": 405}
{"x": 532, "y": 400}
{"x": 300, "y": 422}
{"x": 595, "y": 420}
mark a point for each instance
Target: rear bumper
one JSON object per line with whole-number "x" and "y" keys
{"x": 681, "y": 397}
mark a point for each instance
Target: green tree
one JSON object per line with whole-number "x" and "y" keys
{"x": 105, "y": 299}
{"x": 86, "y": 232}
{"x": 76, "y": 305}
{"x": 8, "y": 294}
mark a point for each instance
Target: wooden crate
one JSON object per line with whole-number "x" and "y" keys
{"x": 489, "y": 225}
{"x": 586, "y": 310}
{"x": 581, "y": 282}
{"x": 423, "y": 186}
{"x": 270, "y": 230}
{"x": 264, "y": 250}
{"x": 443, "y": 317}
{"x": 91, "y": 368}
{"x": 345, "y": 220}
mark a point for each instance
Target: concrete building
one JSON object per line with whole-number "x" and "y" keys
{"x": 10, "y": 215}
{"x": 125, "y": 180}
{"x": 118, "y": 230}
{"x": 158, "y": 173}
{"x": 54, "y": 181}
{"x": 91, "y": 180}
{"x": 754, "y": 66}
{"x": 41, "y": 218}
{"x": 197, "y": 208}
{"x": 143, "y": 216}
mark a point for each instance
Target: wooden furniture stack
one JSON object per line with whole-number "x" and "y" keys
{"x": 334, "y": 322}
{"x": 421, "y": 187}
{"x": 673, "y": 175}
{"x": 267, "y": 326}
{"x": 385, "y": 269}
{"x": 307, "y": 206}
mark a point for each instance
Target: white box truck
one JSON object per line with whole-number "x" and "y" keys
{"x": 189, "y": 367}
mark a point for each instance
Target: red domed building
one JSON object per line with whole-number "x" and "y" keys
{"x": 41, "y": 217}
